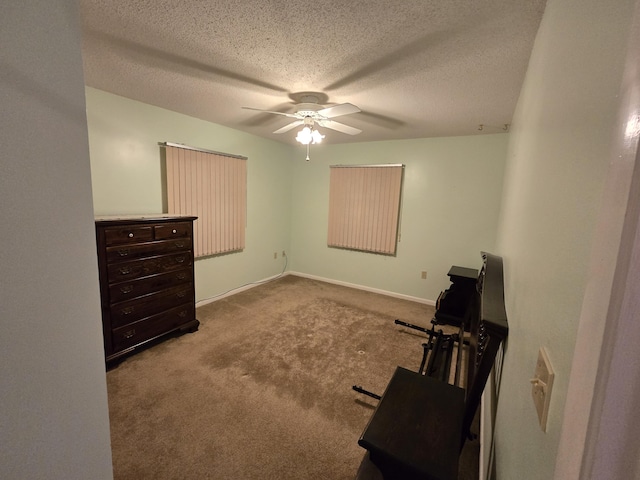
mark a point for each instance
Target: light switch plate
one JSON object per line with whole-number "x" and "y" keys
{"x": 541, "y": 385}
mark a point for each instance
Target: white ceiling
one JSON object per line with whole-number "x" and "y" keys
{"x": 416, "y": 68}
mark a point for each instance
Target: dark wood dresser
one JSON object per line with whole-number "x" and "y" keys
{"x": 146, "y": 280}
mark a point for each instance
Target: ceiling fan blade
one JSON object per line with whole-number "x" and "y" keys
{"x": 290, "y": 115}
{"x": 340, "y": 127}
{"x": 337, "y": 110}
{"x": 291, "y": 126}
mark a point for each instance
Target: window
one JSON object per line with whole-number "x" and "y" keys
{"x": 364, "y": 207}
{"x": 213, "y": 187}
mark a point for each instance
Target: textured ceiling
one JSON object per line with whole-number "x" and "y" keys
{"x": 416, "y": 68}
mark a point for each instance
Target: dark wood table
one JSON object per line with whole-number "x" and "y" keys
{"x": 415, "y": 431}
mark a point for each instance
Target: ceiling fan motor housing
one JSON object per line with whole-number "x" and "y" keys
{"x": 307, "y": 109}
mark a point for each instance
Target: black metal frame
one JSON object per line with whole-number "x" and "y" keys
{"x": 486, "y": 321}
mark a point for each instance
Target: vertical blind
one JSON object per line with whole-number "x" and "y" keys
{"x": 364, "y": 207}
{"x": 213, "y": 187}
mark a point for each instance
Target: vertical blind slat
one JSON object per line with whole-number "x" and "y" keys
{"x": 211, "y": 187}
{"x": 364, "y": 205}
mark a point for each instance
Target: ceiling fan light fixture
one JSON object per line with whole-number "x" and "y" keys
{"x": 309, "y": 113}
{"x": 307, "y": 136}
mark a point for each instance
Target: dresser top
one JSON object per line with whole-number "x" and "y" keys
{"x": 152, "y": 217}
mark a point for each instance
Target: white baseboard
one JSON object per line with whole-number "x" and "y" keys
{"x": 242, "y": 288}
{"x": 483, "y": 435}
{"x": 314, "y": 277}
{"x": 367, "y": 289}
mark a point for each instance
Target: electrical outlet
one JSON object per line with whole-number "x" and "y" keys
{"x": 275, "y": 255}
{"x": 424, "y": 275}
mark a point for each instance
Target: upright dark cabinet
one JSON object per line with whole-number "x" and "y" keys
{"x": 146, "y": 279}
{"x": 453, "y": 305}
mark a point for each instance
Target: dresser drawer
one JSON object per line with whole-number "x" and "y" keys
{"x": 120, "y": 292}
{"x": 172, "y": 230}
{"x": 152, "y": 326}
{"x": 128, "y": 234}
{"x": 124, "y": 252}
{"x": 131, "y": 310}
{"x": 119, "y": 272}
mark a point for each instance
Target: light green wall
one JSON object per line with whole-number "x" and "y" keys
{"x": 559, "y": 151}
{"x": 451, "y": 199}
{"x": 451, "y": 196}
{"x": 127, "y": 179}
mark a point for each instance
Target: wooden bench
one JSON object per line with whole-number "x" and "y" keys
{"x": 424, "y": 417}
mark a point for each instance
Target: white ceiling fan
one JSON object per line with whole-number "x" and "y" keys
{"x": 309, "y": 113}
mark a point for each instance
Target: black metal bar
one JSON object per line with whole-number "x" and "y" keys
{"x": 425, "y": 351}
{"x": 445, "y": 370}
{"x": 436, "y": 345}
{"x": 359, "y": 389}
{"x": 461, "y": 342}
{"x": 410, "y": 325}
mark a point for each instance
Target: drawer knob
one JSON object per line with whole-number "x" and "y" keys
{"x": 131, "y": 235}
{"x": 127, "y": 311}
{"x": 174, "y": 231}
{"x": 125, "y": 270}
{"x": 180, "y": 259}
{"x": 182, "y": 314}
{"x": 181, "y": 294}
{"x": 126, "y": 289}
{"x": 123, "y": 252}
{"x": 130, "y": 333}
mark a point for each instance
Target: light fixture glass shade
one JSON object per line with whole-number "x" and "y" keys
{"x": 307, "y": 136}
{"x": 304, "y": 136}
{"x": 317, "y": 138}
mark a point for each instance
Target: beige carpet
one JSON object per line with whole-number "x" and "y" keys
{"x": 263, "y": 389}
